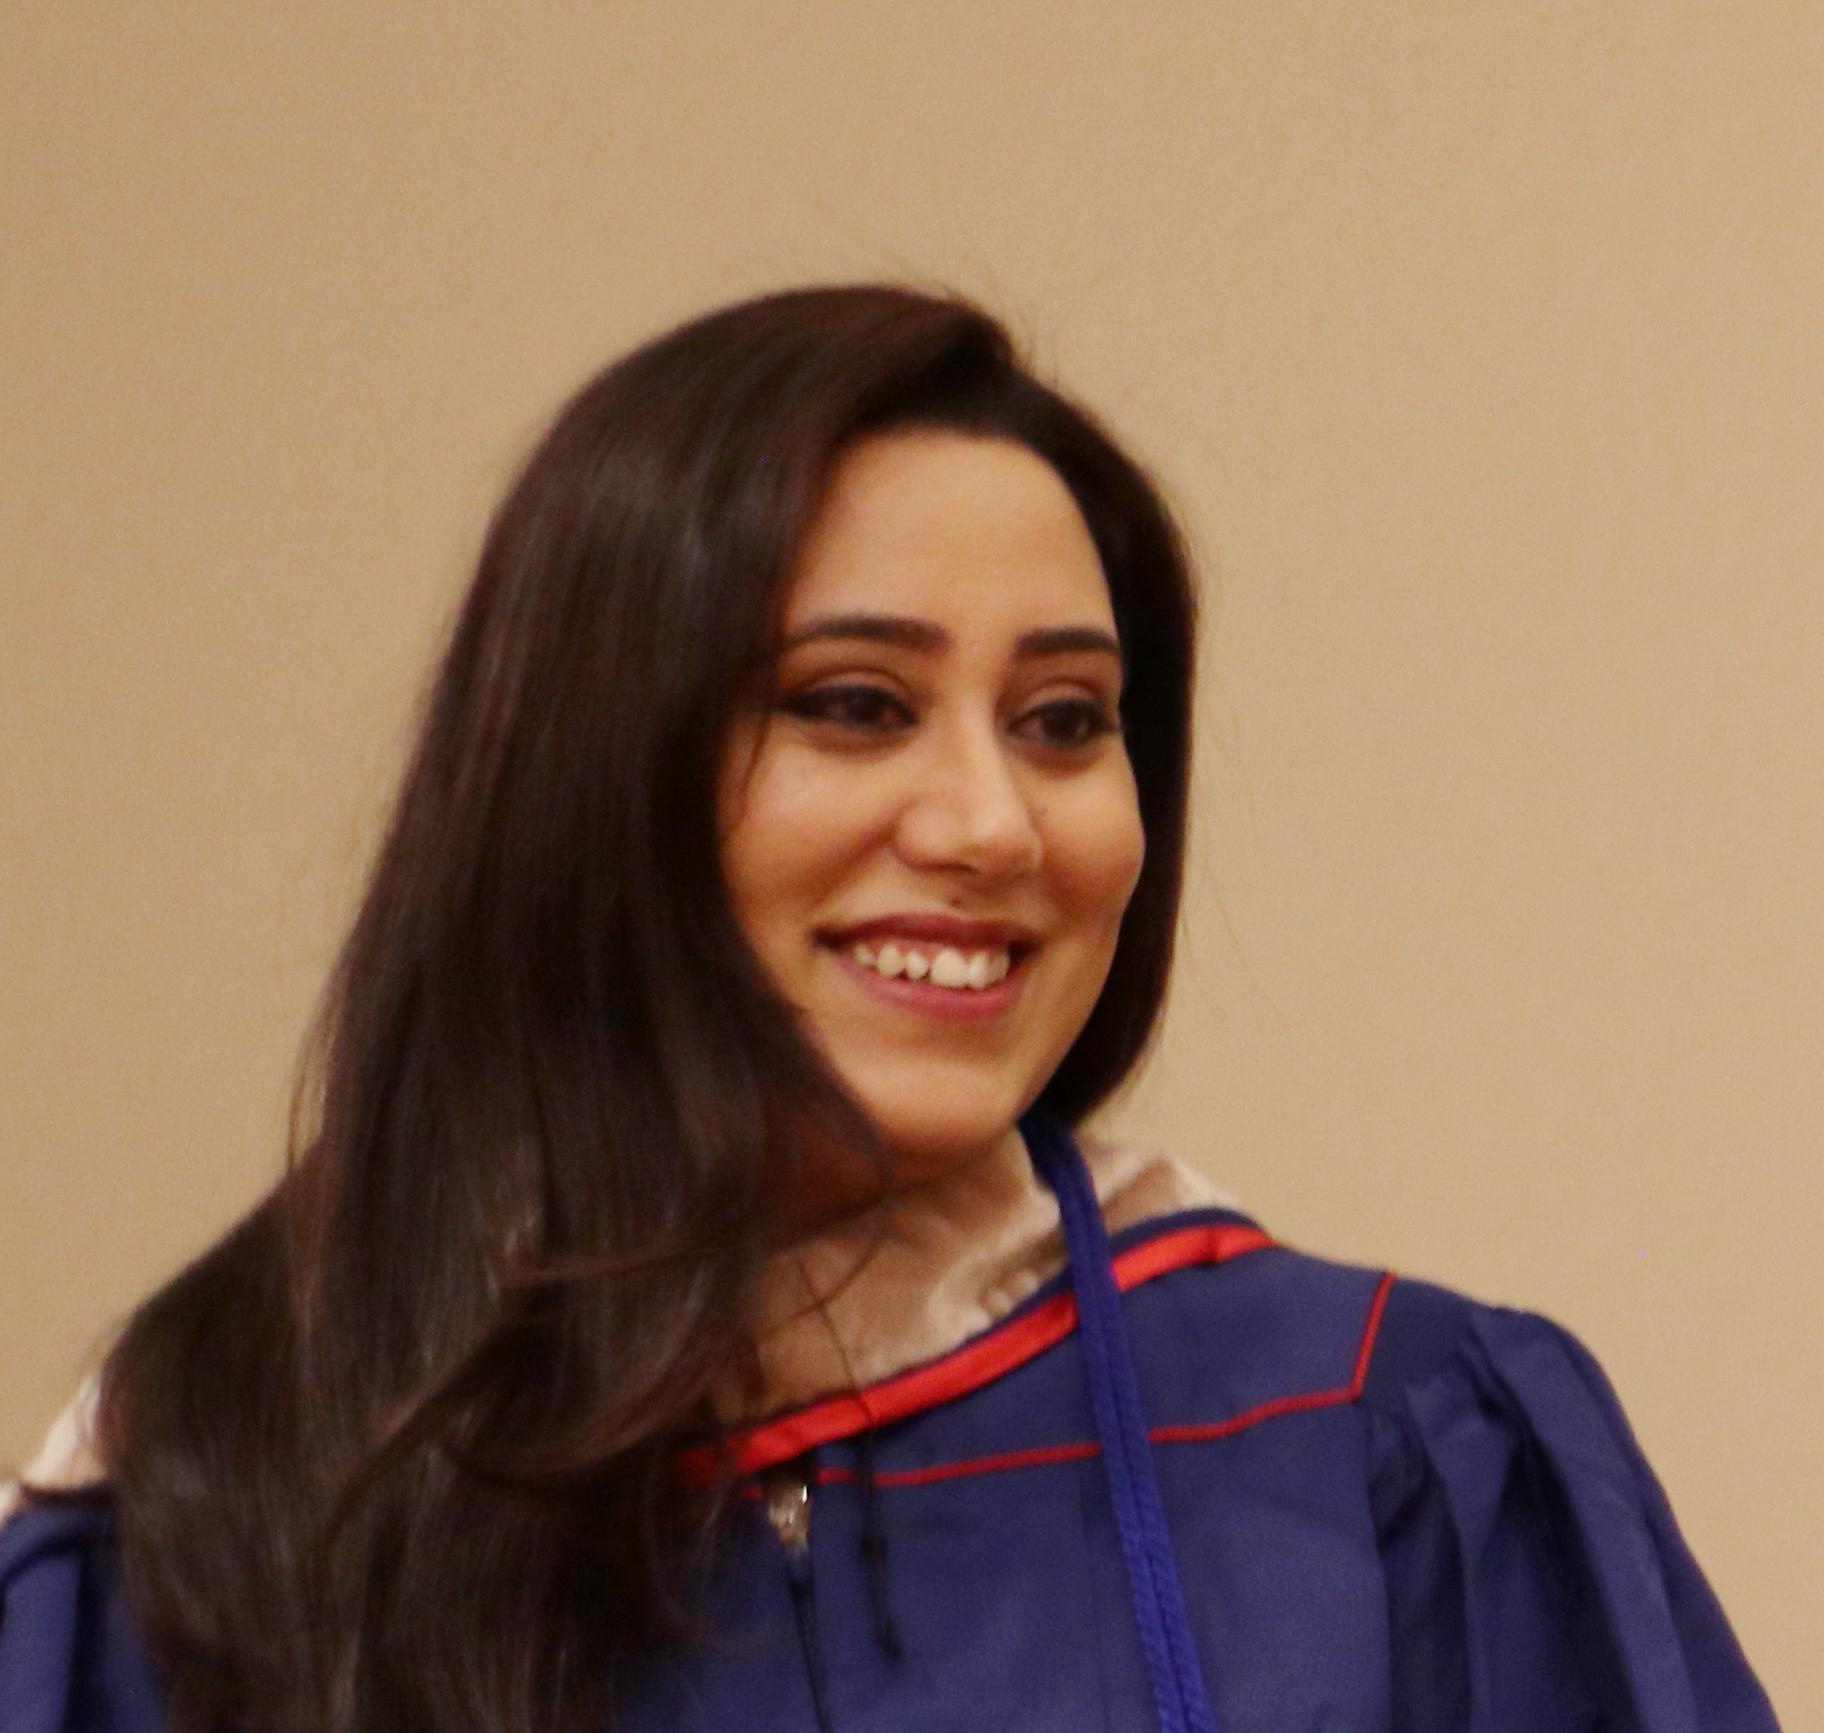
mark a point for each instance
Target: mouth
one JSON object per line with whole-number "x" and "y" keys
{"x": 950, "y": 982}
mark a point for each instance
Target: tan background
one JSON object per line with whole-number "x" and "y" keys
{"x": 1481, "y": 344}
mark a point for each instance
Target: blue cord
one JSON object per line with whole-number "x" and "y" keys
{"x": 1114, "y": 1390}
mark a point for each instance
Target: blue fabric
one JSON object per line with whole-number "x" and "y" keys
{"x": 1470, "y": 1543}
{"x": 1146, "y": 1542}
{"x": 69, "y": 1659}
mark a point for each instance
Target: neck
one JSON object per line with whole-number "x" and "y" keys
{"x": 917, "y": 1271}
{"x": 846, "y": 1197}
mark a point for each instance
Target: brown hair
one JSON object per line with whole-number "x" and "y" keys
{"x": 396, "y": 1451}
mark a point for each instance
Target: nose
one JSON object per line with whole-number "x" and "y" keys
{"x": 968, "y": 808}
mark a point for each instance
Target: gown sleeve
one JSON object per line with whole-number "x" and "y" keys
{"x": 1536, "y": 1578}
{"x": 69, "y": 1660}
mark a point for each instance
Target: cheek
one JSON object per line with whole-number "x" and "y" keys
{"x": 1101, "y": 847}
{"x": 785, "y": 840}
{"x": 755, "y": 844}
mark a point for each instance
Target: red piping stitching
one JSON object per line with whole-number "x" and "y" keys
{"x": 1042, "y": 1455}
{"x": 968, "y": 1368}
{"x": 1365, "y": 1352}
{"x": 1039, "y": 1456}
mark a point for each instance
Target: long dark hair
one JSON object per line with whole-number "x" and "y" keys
{"x": 397, "y": 1451}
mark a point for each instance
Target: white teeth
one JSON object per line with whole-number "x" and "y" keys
{"x": 976, "y": 971}
{"x": 950, "y": 969}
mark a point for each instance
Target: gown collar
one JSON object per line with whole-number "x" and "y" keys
{"x": 913, "y": 1278}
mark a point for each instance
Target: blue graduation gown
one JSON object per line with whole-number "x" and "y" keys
{"x": 1392, "y": 1510}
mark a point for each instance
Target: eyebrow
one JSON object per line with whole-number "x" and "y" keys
{"x": 928, "y": 636}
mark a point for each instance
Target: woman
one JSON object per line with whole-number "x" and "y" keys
{"x": 688, "y": 1305}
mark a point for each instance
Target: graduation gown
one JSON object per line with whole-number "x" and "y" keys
{"x": 1192, "y": 1480}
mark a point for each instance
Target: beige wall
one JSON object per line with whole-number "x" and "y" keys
{"x": 1481, "y": 343}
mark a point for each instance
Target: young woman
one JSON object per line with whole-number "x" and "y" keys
{"x": 689, "y": 1304}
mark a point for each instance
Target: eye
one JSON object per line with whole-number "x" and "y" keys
{"x": 867, "y": 709}
{"x": 1071, "y": 723}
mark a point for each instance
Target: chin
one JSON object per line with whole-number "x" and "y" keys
{"x": 927, "y": 1139}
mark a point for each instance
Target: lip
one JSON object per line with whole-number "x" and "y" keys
{"x": 946, "y": 1004}
{"x": 952, "y": 930}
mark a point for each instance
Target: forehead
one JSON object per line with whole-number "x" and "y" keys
{"x": 952, "y": 526}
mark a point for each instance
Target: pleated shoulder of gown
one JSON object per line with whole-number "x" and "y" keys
{"x": 1536, "y": 1575}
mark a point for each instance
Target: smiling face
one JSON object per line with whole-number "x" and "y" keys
{"x": 931, "y": 838}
